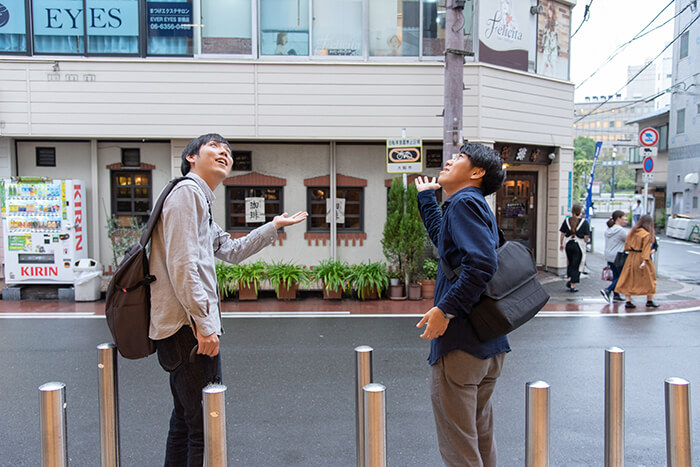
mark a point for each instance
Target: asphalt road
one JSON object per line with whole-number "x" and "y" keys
{"x": 290, "y": 399}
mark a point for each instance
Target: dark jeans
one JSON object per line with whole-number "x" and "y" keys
{"x": 185, "y": 445}
{"x": 574, "y": 257}
{"x": 616, "y": 276}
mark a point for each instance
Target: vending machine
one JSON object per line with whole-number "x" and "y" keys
{"x": 43, "y": 229}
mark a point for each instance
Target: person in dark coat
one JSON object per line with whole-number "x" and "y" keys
{"x": 575, "y": 232}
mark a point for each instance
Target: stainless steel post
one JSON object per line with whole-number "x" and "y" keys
{"x": 363, "y": 376}
{"x": 52, "y": 410}
{"x": 214, "y": 406}
{"x": 679, "y": 448}
{"x": 614, "y": 407}
{"x": 108, "y": 391}
{"x": 537, "y": 424}
{"x": 375, "y": 425}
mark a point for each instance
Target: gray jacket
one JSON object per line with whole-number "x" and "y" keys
{"x": 183, "y": 246}
{"x": 614, "y": 241}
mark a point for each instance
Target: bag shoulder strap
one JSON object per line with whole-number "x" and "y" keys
{"x": 157, "y": 209}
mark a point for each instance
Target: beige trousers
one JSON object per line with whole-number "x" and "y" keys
{"x": 460, "y": 388}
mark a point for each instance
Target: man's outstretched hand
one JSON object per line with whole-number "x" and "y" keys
{"x": 425, "y": 183}
{"x": 284, "y": 220}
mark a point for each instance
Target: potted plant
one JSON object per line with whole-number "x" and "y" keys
{"x": 391, "y": 237}
{"x": 396, "y": 290}
{"x": 248, "y": 276}
{"x": 412, "y": 233}
{"x": 286, "y": 278}
{"x": 369, "y": 279}
{"x": 429, "y": 275}
{"x": 334, "y": 277}
{"x": 225, "y": 280}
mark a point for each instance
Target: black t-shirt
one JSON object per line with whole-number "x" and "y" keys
{"x": 582, "y": 229}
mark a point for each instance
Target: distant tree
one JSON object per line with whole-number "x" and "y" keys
{"x": 584, "y": 151}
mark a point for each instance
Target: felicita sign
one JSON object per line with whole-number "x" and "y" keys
{"x": 649, "y": 137}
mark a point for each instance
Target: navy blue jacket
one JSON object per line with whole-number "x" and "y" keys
{"x": 465, "y": 233}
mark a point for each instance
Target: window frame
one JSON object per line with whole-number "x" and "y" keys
{"x": 339, "y": 191}
{"x": 684, "y": 45}
{"x": 248, "y": 228}
{"x": 142, "y": 216}
{"x": 680, "y": 129}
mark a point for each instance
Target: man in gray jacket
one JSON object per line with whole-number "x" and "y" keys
{"x": 184, "y": 300}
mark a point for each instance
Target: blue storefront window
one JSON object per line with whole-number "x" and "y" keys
{"x": 58, "y": 27}
{"x": 13, "y": 26}
{"x": 169, "y": 28}
{"x": 113, "y": 26}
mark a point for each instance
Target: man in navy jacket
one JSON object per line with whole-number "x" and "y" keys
{"x": 463, "y": 369}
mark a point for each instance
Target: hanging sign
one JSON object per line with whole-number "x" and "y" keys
{"x": 404, "y": 155}
{"x": 254, "y": 210}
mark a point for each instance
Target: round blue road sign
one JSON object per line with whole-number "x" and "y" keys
{"x": 648, "y": 164}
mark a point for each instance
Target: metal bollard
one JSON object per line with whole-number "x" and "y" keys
{"x": 375, "y": 425}
{"x": 363, "y": 377}
{"x": 107, "y": 384}
{"x": 614, "y": 407}
{"x": 52, "y": 410}
{"x": 679, "y": 448}
{"x": 214, "y": 406}
{"x": 537, "y": 424}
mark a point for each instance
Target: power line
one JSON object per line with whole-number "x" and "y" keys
{"x": 639, "y": 35}
{"x": 642, "y": 69}
{"x": 586, "y": 15}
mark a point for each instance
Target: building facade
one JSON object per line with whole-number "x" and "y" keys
{"x": 111, "y": 94}
{"x": 683, "y": 190}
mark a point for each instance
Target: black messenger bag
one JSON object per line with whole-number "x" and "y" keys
{"x": 512, "y": 297}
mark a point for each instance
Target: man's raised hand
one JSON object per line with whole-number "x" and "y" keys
{"x": 425, "y": 183}
{"x": 283, "y": 220}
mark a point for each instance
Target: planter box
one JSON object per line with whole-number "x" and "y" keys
{"x": 287, "y": 293}
{"x": 247, "y": 292}
{"x": 428, "y": 288}
{"x": 370, "y": 293}
{"x": 332, "y": 294}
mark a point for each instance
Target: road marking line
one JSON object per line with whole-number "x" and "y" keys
{"x": 49, "y": 315}
{"x": 694, "y": 252}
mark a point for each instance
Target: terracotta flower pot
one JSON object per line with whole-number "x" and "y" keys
{"x": 427, "y": 288}
{"x": 287, "y": 293}
{"x": 414, "y": 292}
{"x": 247, "y": 292}
{"x": 370, "y": 293}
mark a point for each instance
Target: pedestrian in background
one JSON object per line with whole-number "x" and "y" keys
{"x": 638, "y": 275}
{"x": 615, "y": 237}
{"x": 576, "y": 231}
{"x": 637, "y": 212}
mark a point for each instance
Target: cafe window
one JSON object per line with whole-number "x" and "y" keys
{"x": 131, "y": 194}
{"x": 350, "y": 209}
{"x": 227, "y": 27}
{"x": 249, "y": 207}
{"x": 394, "y": 28}
{"x": 13, "y": 27}
{"x": 328, "y": 38}
{"x": 169, "y": 25}
{"x": 284, "y": 27}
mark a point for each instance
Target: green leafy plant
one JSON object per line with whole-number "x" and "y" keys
{"x": 249, "y": 275}
{"x": 391, "y": 239}
{"x": 334, "y": 274}
{"x": 365, "y": 277}
{"x": 122, "y": 236}
{"x": 287, "y": 274}
{"x": 225, "y": 279}
{"x": 430, "y": 267}
{"x": 413, "y": 236}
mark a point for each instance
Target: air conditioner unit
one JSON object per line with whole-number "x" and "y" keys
{"x": 691, "y": 178}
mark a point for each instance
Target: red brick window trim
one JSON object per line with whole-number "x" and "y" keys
{"x": 340, "y": 180}
{"x": 255, "y": 179}
{"x": 119, "y": 166}
{"x": 323, "y": 237}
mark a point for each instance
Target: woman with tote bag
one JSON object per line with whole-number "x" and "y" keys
{"x": 615, "y": 237}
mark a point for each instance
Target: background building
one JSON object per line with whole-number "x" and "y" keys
{"x": 113, "y": 93}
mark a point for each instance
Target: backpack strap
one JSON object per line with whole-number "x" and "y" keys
{"x": 157, "y": 209}
{"x": 453, "y": 274}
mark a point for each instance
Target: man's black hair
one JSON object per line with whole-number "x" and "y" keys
{"x": 489, "y": 160}
{"x": 195, "y": 145}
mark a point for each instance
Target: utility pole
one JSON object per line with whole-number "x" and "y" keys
{"x": 454, "y": 77}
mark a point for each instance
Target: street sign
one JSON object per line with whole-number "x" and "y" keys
{"x": 647, "y": 177}
{"x": 404, "y": 155}
{"x": 649, "y": 137}
{"x": 648, "y": 152}
{"x": 648, "y": 164}
{"x": 609, "y": 163}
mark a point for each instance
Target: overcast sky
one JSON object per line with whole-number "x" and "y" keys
{"x": 612, "y": 23}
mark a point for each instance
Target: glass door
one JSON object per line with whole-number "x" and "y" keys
{"x": 516, "y": 208}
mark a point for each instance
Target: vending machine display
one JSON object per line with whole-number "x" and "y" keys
{"x": 43, "y": 229}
